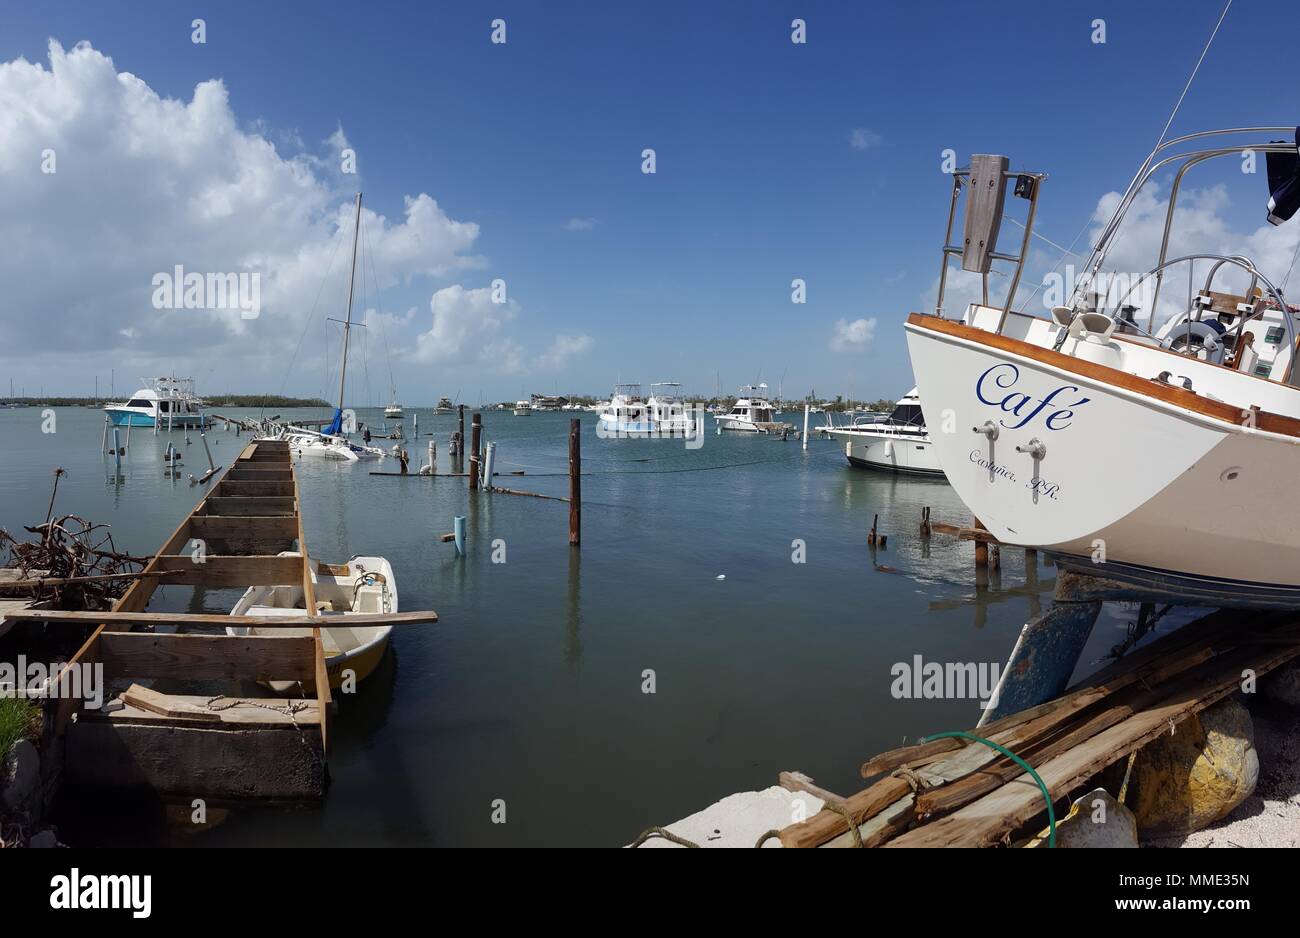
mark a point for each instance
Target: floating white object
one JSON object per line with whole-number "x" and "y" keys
{"x": 721, "y": 576}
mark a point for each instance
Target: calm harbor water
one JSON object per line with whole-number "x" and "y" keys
{"x": 529, "y": 689}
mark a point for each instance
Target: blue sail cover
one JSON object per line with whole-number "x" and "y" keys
{"x": 336, "y": 425}
{"x": 1283, "y": 184}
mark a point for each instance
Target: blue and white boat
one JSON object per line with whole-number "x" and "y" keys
{"x": 171, "y": 402}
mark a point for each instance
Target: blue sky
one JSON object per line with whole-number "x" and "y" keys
{"x": 686, "y": 273}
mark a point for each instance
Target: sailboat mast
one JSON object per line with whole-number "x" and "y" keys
{"x": 352, "y": 282}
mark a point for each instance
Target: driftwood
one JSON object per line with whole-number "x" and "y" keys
{"x": 950, "y": 792}
{"x": 71, "y": 562}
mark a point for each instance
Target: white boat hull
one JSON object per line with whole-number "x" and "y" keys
{"x": 903, "y": 453}
{"x": 1142, "y": 488}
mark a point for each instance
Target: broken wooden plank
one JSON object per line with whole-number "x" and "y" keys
{"x": 797, "y": 781}
{"x": 167, "y": 706}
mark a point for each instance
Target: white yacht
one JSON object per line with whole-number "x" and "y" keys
{"x": 171, "y": 402}
{"x": 752, "y": 413}
{"x": 898, "y": 443}
{"x": 445, "y": 406}
{"x": 304, "y": 442}
{"x": 663, "y": 413}
{"x": 394, "y": 411}
{"x": 523, "y": 408}
{"x": 1163, "y": 457}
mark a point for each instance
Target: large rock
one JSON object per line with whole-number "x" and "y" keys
{"x": 1095, "y": 820}
{"x": 20, "y": 780}
{"x": 1199, "y": 774}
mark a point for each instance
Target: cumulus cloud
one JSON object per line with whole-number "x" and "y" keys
{"x": 467, "y": 323}
{"x": 580, "y": 224}
{"x": 142, "y": 183}
{"x": 1201, "y": 225}
{"x": 863, "y": 139}
{"x": 564, "y": 348}
{"x": 853, "y": 336}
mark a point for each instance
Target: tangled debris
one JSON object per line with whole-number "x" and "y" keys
{"x": 71, "y": 562}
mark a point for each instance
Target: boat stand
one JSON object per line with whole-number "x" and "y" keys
{"x": 1049, "y": 646}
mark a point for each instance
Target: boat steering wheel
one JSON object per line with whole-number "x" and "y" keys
{"x": 1197, "y": 339}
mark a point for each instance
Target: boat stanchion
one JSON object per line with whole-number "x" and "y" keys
{"x": 458, "y": 526}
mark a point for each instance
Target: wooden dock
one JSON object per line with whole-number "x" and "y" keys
{"x": 196, "y": 743}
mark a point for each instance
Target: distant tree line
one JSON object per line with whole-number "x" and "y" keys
{"x": 263, "y": 400}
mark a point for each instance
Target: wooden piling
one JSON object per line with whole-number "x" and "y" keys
{"x": 476, "y": 434}
{"x": 981, "y": 547}
{"x": 873, "y": 538}
{"x": 575, "y": 482}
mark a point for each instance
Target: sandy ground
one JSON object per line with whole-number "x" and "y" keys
{"x": 1271, "y": 816}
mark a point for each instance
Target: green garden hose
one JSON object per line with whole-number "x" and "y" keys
{"x": 1051, "y": 812}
